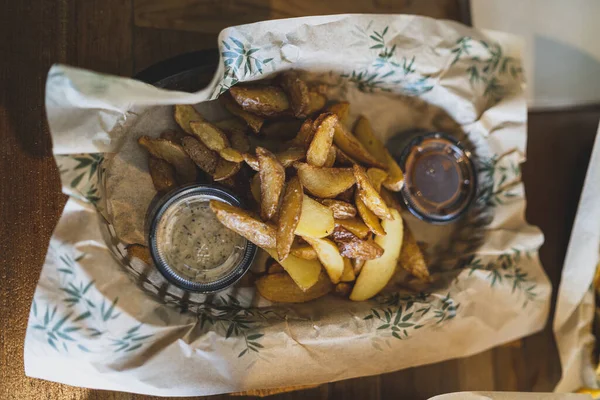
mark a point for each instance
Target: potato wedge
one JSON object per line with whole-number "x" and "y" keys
{"x": 173, "y": 135}
{"x": 289, "y": 215}
{"x": 369, "y": 195}
{"x": 239, "y": 140}
{"x": 162, "y": 173}
{"x": 343, "y": 159}
{"x": 212, "y": 137}
{"x": 281, "y": 129}
{"x": 305, "y": 251}
{"x": 254, "y": 121}
{"x": 330, "y": 257}
{"x": 255, "y": 188}
{"x": 354, "y": 225}
{"x": 239, "y": 221}
{"x": 201, "y": 155}
{"x": 172, "y": 153}
{"x": 370, "y": 219}
{"x": 304, "y": 272}
{"x": 352, "y": 247}
{"x": 377, "y": 177}
{"x": 252, "y": 161}
{"x": 231, "y": 154}
{"x": 316, "y": 102}
{"x": 342, "y": 289}
{"x": 342, "y": 110}
{"x": 297, "y": 92}
{"x": 316, "y": 220}
{"x": 225, "y": 169}
{"x": 347, "y": 195}
{"x": 231, "y": 125}
{"x": 411, "y": 257}
{"x": 184, "y": 114}
{"x": 346, "y": 142}
{"x": 357, "y": 265}
{"x": 265, "y": 101}
{"x": 319, "y": 147}
{"x": 390, "y": 199}
{"x": 291, "y": 155}
{"x": 281, "y": 288}
{"x": 272, "y": 178}
{"x": 330, "y": 161}
{"x": 364, "y": 134}
{"x": 340, "y": 209}
{"x": 275, "y": 268}
{"x": 377, "y": 273}
{"x": 140, "y": 252}
{"x": 348, "y": 275}
{"x": 304, "y": 136}
{"x": 325, "y": 182}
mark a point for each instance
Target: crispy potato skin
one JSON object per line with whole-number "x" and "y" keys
{"x": 411, "y": 257}
{"x": 352, "y": 247}
{"x": 184, "y": 114}
{"x": 291, "y": 207}
{"x": 318, "y": 150}
{"x": 281, "y": 288}
{"x": 172, "y": 153}
{"x": 340, "y": 209}
{"x": 370, "y": 219}
{"x": 297, "y": 91}
{"x": 272, "y": 179}
{"x": 202, "y": 156}
{"x": 239, "y": 221}
{"x": 162, "y": 173}
{"x": 325, "y": 182}
{"x": 265, "y": 101}
{"x": 369, "y": 195}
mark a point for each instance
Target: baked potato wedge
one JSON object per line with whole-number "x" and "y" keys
{"x": 239, "y": 221}
{"x": 319, "y": 148}
{"x": 230, "y": 125}
{"x": 340, "y": 209}
{"x": 225, "y": 169}
{"x": 371, "y": 220}
{"x": 377, "y": 177}
{"x": 231, "y": 154}
{"x": 184, "y": 114}
{"x": 411, "y": 257}
{"x": 330, "y": 257}
{"x": 369, "y": 195}
{"x": 305, "y": 273}
{"x": 162, "y": 173}
{"x": 239, "y": 140}
{"x": 304, "y": 135}
{"x": 325, "y": 182}
{"x": 290, "y": 155}
{"x": 201, "y": 155}
{"x": 316, "y": 220}
{"x": 375, "y": 274}
{"x": 354, "y": 225}
{"x": 348, "y": 275}
{"x": 342, "y": 110}
{"x": 255, "y": 188}
{"x": 330, "y": 161}
{"x": 364, "y": 133}
{"x": 254, "y": 121}
{"x": 289, "y": 216}
{"x": 281, "y": 288}
{"x": 264, "y": 101}
{"x": 390, "y": 199}
{"x": 357, "y": 265}
{"x": 212, "y": 137}
{"x": 172, "y": 153}
{"x": 173, "y": 135}
{"x": 272, "y": 179}
{"x": 342, "y": 289}
{"x": 305, "y": 251}
{"x": 351, "y": 246}
{"x": 297, "y": 92}
{"x": 316, "y": 102}
{"x": 346, "y": 142}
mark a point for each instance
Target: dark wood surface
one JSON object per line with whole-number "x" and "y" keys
{"x": 125, "y": 36}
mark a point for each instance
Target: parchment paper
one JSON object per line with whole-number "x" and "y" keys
{"x": 95, "y": 323}
{"x": 575, "y": 308}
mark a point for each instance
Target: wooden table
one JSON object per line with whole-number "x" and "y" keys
{"x": 125, "y": 36}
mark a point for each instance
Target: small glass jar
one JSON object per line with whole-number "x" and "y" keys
{"x": 440, "y": 181}
{"x": 190, "y": 247}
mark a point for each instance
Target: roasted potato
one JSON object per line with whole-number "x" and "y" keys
{"x": 342, "y": 159}
{"x": 364, "y": 134}
{"x": 346, "y": 142}
{"x": 375, "y": 274}
{"x": 162, "y": 173}
{"x": 231, "y": 154}
{"x": 172, "y": 153}
{"x": 265, "y": 101}
{"x": 274, "y": 267}
{"x": 202, "y": 156}
{"x": 320, "y": 146}
{"x": 347, "y": 195}
{"x": 357, "y": 265}
{"x": 231, "y": 125}
{"x": 281, "y": 288}
{"x": 140, "y": 252}
{"x": 390, "y": 199}
{"x": 255, "y": 188}
{"x": 342, "y": 110}
{"x": 272, "y": 179}
{"x": 325, "y": 182}
{"x": 377, "y": 177}
{"x": 330, "y": 161}
{"x": 184, "y": 114}
{"x": 348, "y": 275}
{"x": 297, "y": 92}
{"x": 340, "y": 209}
{"x": 304, "y": 136}
{"x": 254, "y": 121}
{"x": 330, "y": 257}
{"x": 212, "y": 137}
{"x": 239, "y": 221}
{"x": 305, "y": 251}
{"x": 342, "y": 289}
{"x": 173, "y": 135}
{"x": 238, "y": 140}
{"x": 369, "y": 195}
{"x": 352, "y": 247}
{"x": 411, "y": 257}
{"x": 316, "y": 220}
{"x": 225, "y": 169}
{"x": 370, "y": 219}
{"x": 304, "y": 272}
{"x": 316, "y": 102}
{"x": 291, "y": 207}
{"x": 355, "y": 226}
{"x": 291, "y": 155}
{"x": 252, "y": 161}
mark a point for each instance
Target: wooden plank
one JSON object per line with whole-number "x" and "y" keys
{"x": 476, "y": 372}
{"x": 211, "y": 16}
